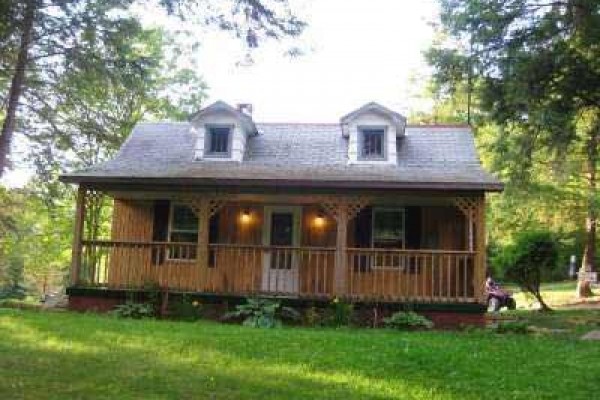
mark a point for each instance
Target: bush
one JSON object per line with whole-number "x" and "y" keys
{"x": 341, "y": 313}
{"x": 404, "y": 320}
{"x": 16, "y": 291}
{"x": 263, "y": 313}
{"x": 313, "y": 316}
{"x": 532, "y": 253}
{"x": 185, "y": 309}
{"x": 134, "y": 310}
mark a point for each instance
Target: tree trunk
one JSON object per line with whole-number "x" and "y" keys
{"x": 16, "y": 85}
{"x": 588, "y": 262}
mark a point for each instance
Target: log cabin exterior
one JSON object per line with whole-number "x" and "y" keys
{"x": 369, "y": 209}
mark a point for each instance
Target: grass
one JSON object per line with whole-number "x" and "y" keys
{"x": 555, "y": 294}
{"x": 47, "y": 355}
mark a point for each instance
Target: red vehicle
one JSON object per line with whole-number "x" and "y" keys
{"x": 498, "y": 297}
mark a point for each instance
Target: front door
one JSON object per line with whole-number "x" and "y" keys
{"x": 281, "y": 232}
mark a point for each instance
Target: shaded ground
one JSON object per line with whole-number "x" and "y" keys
{"x": 63, "y": 355}
{"x": 557, "y": 295}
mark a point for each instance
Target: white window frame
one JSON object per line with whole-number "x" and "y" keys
{"x": 362, "y": 129}
{"x": 208, "y": 139}
{"x": 374, "y": 263}
{"x": 171, "y": 230}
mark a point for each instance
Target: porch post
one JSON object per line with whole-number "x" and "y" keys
{"x": 342, "y": 210}
{"x": 78, "y": 235}
{"x": 339, "y": 274}
{"x": 203, "y": 214}
{"x": 480, "y": 256}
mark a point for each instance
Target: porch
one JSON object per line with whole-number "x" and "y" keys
{"x": 310, "y": 246}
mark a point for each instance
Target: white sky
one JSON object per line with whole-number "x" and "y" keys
{"x": 357, "y": 51}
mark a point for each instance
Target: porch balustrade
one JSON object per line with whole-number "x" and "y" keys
{"x": 309, "y": 272}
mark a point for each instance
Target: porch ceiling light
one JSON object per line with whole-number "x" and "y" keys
{"x": 320, "y": 220}
{"x": 245, "y": 217}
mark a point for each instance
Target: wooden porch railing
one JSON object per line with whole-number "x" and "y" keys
{"x": 371, "y": 274}
{"x": 411, "y": 275}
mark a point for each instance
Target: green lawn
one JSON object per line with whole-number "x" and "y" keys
{"x": 64, "y": 356}
{"x": 555, "y": 294}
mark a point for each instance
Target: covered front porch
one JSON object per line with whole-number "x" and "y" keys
{"x": 410, "y": 247}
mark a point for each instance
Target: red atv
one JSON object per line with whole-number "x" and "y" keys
{"x": 498, "y": 297}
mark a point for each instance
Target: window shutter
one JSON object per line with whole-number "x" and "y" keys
{"x": 160, "y": 227}
{"x": 413, "y": 227}
{"x": 362, "y": 233}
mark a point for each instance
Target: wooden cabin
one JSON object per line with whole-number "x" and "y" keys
{"x": 368, "y": 209}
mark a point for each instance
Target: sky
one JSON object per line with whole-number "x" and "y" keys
{"x": 356, "y": 51}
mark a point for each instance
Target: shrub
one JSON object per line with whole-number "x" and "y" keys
{"x": 263, "y": 313}
{"x": 185, "y": 309}
{"x": 16, "y": 291}
{"x": 407, "y": 320}
{"x": 341, "y": 313}
{"x": 532, "y": 253}
{"x": 134, "y": 310}
{"x": 313, "y": 317}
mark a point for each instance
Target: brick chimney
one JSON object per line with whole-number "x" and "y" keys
{"x": 245, "y": 108}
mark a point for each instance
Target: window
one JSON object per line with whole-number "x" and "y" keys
{"x": 388, "y": 228}
{"x": 218, "y": 141}
{"x": 388, "y": 232}
{"x": 372, "y": 143}
{"x": 183, "y": 228}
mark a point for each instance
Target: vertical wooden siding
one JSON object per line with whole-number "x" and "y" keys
{"x": 443, "y": 228}
{"x": 132, "y": 221}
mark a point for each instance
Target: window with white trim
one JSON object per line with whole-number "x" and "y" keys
{"x": 218, "y": 140}
{"x": 183, "y": 228}
{"x": 372, "y": 143}
{"x": 388, "y": 232}
{"x": 388, "y": 229}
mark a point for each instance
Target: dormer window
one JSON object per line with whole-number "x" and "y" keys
{"x": 218, "y": 141}
{"x": 372, "y": 143}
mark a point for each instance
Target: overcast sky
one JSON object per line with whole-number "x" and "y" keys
{"x": 356, "y": 51}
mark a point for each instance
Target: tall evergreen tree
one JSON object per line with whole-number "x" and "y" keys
{"x": 537, "y": 64}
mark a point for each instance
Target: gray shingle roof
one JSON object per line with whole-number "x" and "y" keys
{"x": 283, "y": 153}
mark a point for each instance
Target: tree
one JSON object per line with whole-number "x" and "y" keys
{"x": 525, "y": 261}
{"x": 42, "y": 40}
{"x": 537, "y": 69}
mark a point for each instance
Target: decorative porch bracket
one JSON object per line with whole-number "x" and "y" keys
{"x": 468, "y": 206}
{"x": 474, "y": 210}
{"x": 204, "y": 207}
{"x": 343, "y": 210}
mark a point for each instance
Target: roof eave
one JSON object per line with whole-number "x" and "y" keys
{"x": 321, "y": 184}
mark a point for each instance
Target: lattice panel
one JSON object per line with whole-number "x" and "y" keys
{"x": 467, "y": 205}
{"x": 196, "y": 203}
{"x": 92, "y": 197}
{"x": 351, "y": 206}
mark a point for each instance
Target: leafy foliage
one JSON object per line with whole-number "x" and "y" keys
{"x": 531, "y": 66}
{"x": 185, "y": 309}
{"x": 263, "y": 313}
{"x": 341, "y": 313}
{"x": 407, "y": 320}
{"x": 134, "y": 310}
{"x": 525, "y": 260}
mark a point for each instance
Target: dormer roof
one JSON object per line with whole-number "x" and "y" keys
{"x": 219, "y": 106}
{"x": 397, "y": 119}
